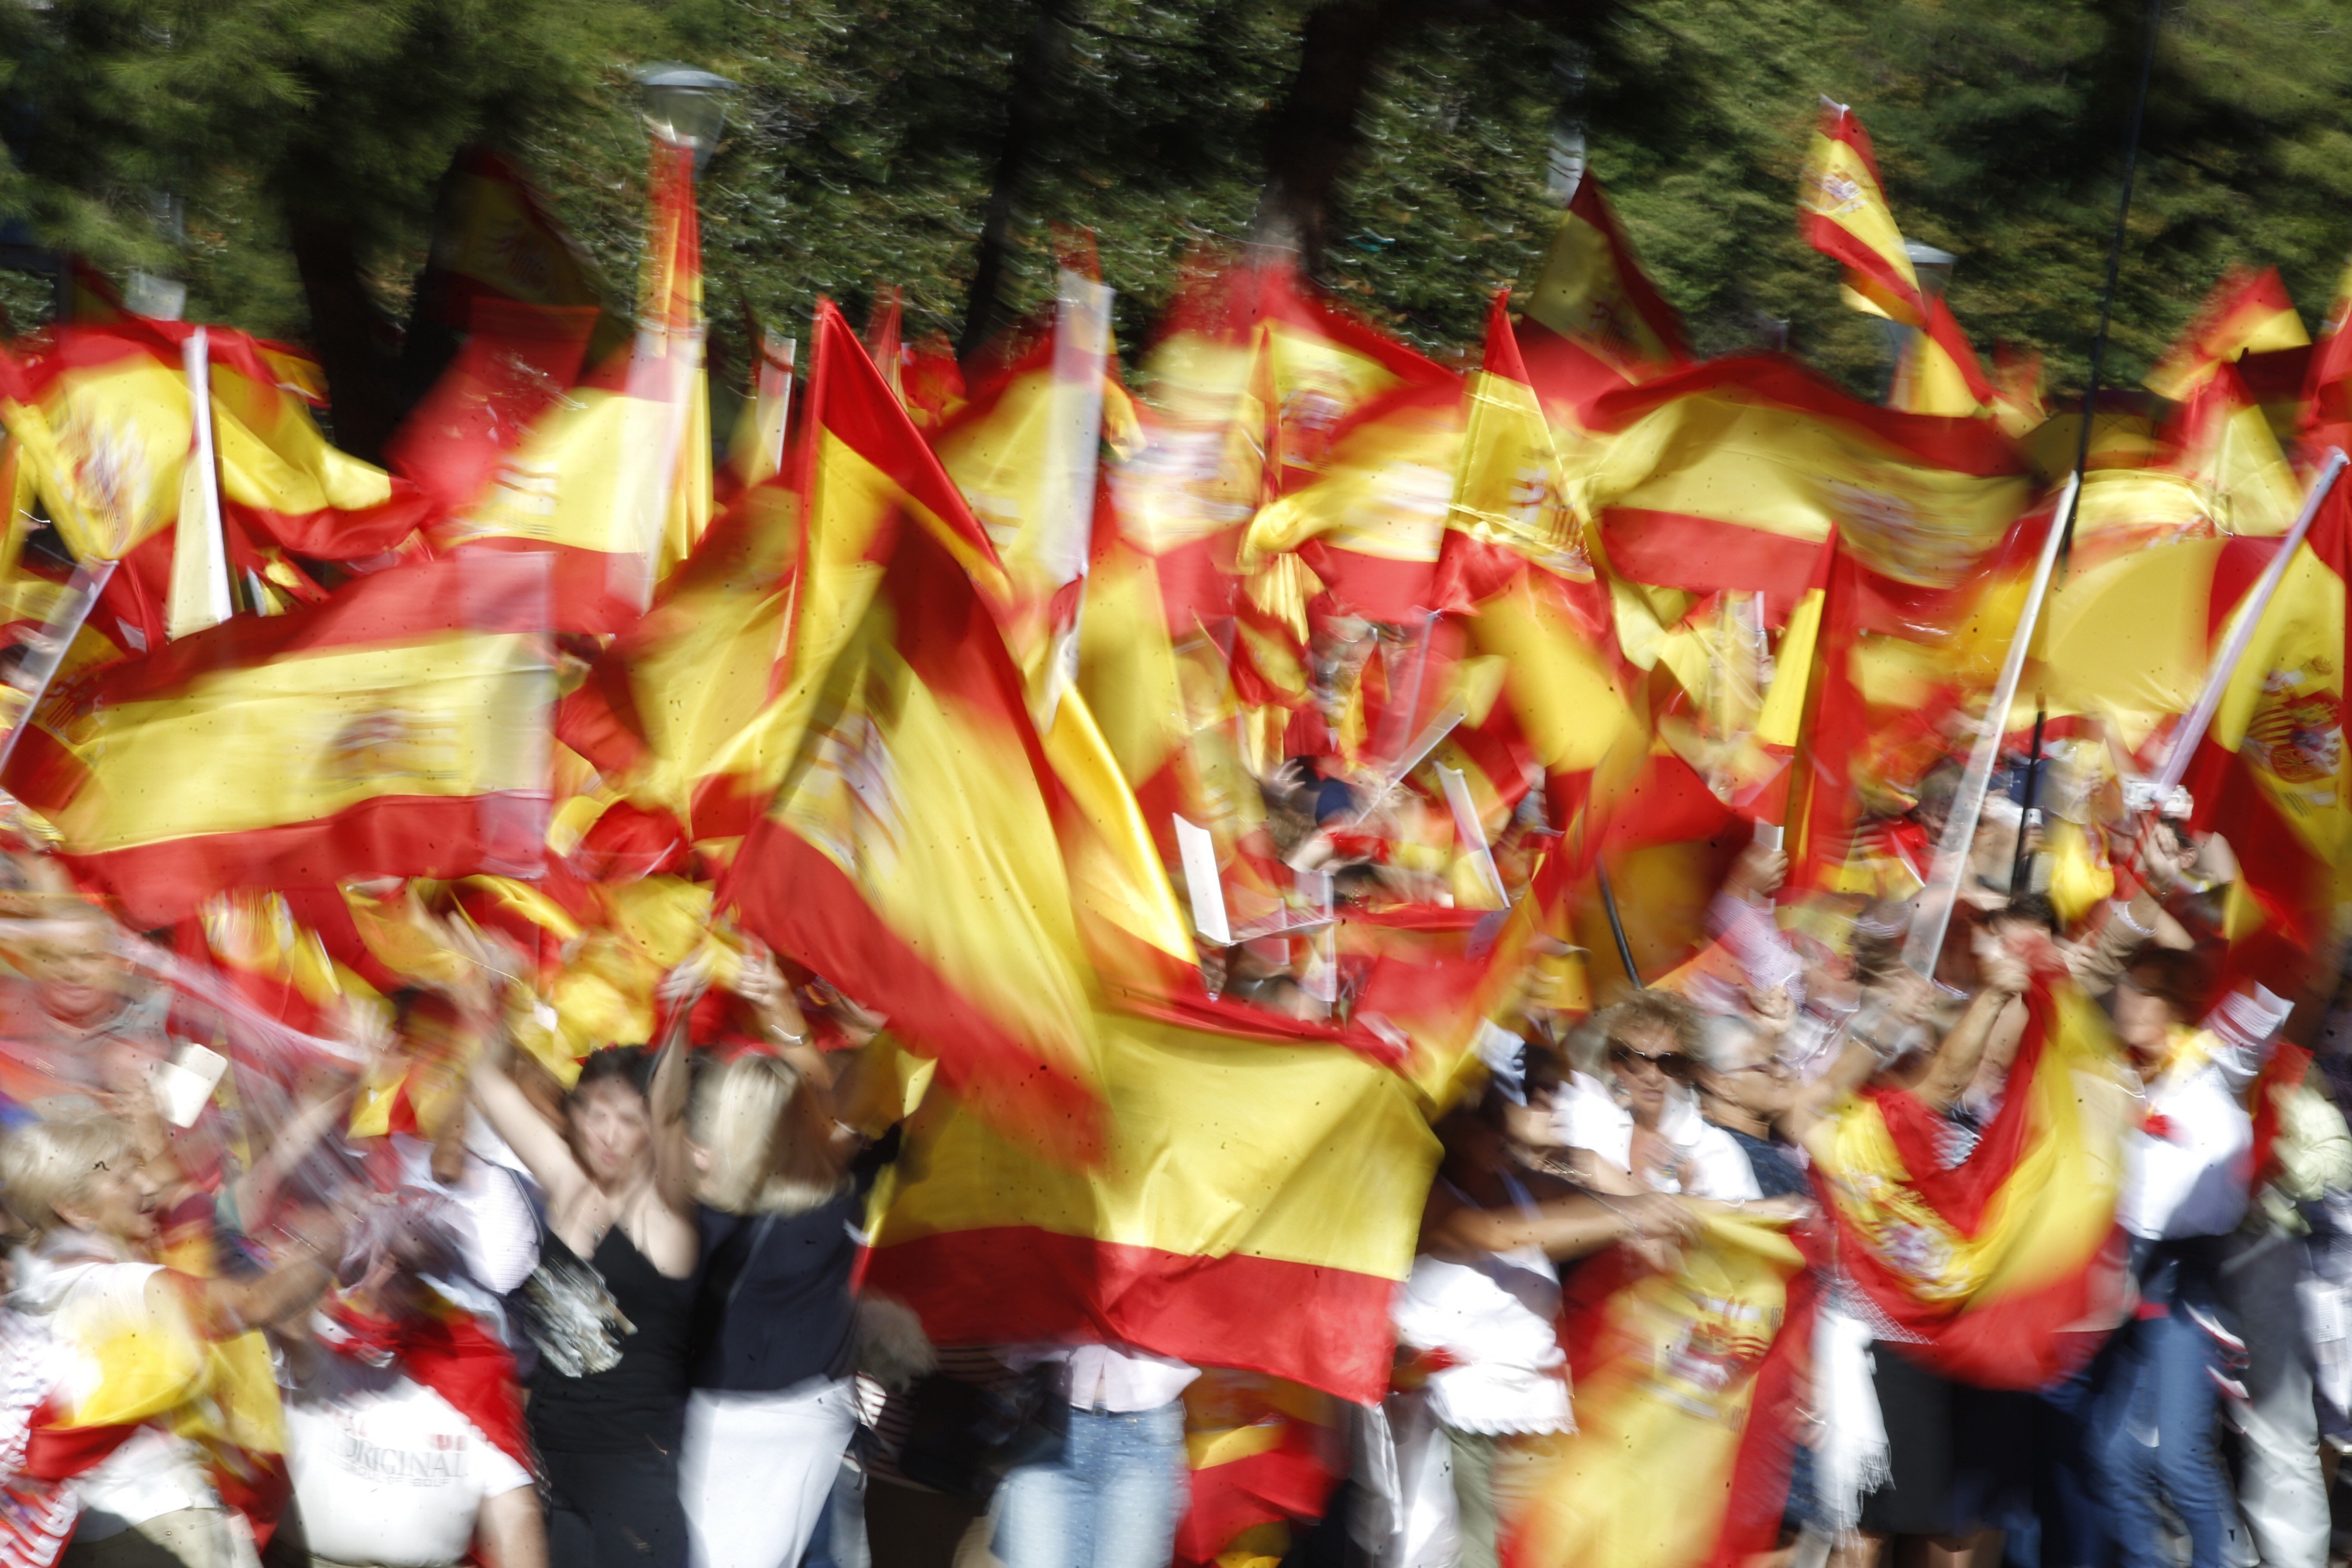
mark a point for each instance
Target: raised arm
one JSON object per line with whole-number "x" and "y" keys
{"x": 667, "y": 1098}
{"x": 542, "y": 1149}
{"x": 1963, "y": 1049}
{"x": 1564, "y": 1227}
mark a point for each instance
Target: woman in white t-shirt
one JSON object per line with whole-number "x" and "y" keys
{"x": 404, "y": 1454}
{"x": 130, "y": 1336}
{"x": 1631, "y": 1114}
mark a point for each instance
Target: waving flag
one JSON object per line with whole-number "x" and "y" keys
{"x": 2246, "y": 313}
{"x": 911, "y": 854}
{"x": 1693, "y": 1375}
{"x": 1939, "y": 371}
{"x": 614, "y": 479}
{"x": 103, "y": 417}
{"x": 397, "y": 730}
{"x": 1842, "y": 212}
{"x": 1235, "y": 1172}
{"x": 2271, "y": 771}
{"x": 2006, "y": 1267}
{"x": 1730, "y": 475}
{"x": 1593, "y": 292}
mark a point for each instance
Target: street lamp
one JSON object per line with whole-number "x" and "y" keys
{"x": 685, "y": 107}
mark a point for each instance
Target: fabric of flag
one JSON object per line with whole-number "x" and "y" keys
{"x": 912, "y": 854}
{"x": 1264, "y": 1452}
{"x": 1235, "y": 1172}
{"x": 2246, "y": 313}
{"x": 613, "y": 481}
{"x": 399, "y": 728}
{"x": 1371, "y": 527}
{"x": 103, "y": 419}
{"x": 515, "y": 366}
{"x": 493, "y": 238}
{"x": 2005, "y": 1268}
{"x": 1510, "y": 489}
{"x": 1842, "y": 210}
{"x": 1695, "y": 1376}
{"x": 1730, "y": 475}
{"x": 1593, "y": 291}
{"x": 1939, "y": 371}
{"x": 2271, "y": 769}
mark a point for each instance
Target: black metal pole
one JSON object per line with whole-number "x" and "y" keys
{"x": 2090, "y": 404}
{"x": 2114, "y": 270}
{"x": 1617, "y": 926}
{"x": 2019, "y": 861}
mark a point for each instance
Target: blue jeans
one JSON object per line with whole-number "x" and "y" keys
{"x": 1111, "y": 1499}
{"x": 2155, "y": 1426}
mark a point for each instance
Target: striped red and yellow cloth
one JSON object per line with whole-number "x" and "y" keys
{"x": 1235, "y": 1173}
{"x": 2006, "y": 1270}
{"x": 398, "y": 728}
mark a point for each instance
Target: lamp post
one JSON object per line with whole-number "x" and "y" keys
{"x": 685, "y": 106}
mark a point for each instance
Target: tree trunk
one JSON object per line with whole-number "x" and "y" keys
{"x": 358, "y": 346}
{"x": 1025, "y": 116}
{"x": 1314, "y": 136}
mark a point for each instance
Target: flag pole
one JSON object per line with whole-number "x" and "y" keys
{"x": 1617, "y": 925}
{"x": 2090, "y": 395}
{"x": 1926, "y": 938}
{"x": 2241, "y": 635}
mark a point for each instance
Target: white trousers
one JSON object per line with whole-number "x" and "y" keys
{"x": 755, "y": 1470}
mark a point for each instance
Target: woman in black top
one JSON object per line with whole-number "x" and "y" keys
{"x": 611, "y": 1304}
{"x": 775, "y": 1324}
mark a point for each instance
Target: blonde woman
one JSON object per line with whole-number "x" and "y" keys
{"x": 75, "y": 1180}
{"x": 775, "y": 1322}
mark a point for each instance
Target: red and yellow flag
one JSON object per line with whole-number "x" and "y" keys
{"x": 613, "y": 481}
{"x": 2271, "y": 770}
{"x": 1842, "y": 210}
{"x": 2007, "y": 1268}
{"x": 1593, "y": 292}
{"x": 2246, "y": 313}
{"x": 103, "y": 419}
{"x": 1695, "y": 1376}
{"x": 912, "y": 854}
{"x": 1939, "y": 371}
{"x": 1235, "y": 1173}
{"x": 1731, "y": 476}
{"x": 399, "y": 728}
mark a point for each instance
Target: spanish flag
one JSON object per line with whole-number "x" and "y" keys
{"x": 1372, "y": 526}
{"x": 103, "y": 418}
{"x": 2246, "y": 313}
{"x": 1691, "y": 1380}
{"x": 614, "y": 480}
{"x": 1510, "y": 489}
{"x": 494, "y": 239}
{"x": 1730, "y": 475}
{"x": 398, "y": 728}
{"x": 2007, "y": 1267}
{"x": 2271, "y": 770}
{"x": 99, "y": 1368}
{"x": 511, "y": 372}
{"x": 1842, "y": 212}
{"x": 912, "y": 853}
{"x": 1593, "y": 291}
{"x": 1264, "y": 1454}
{"x": 1939, "y": 371}
{"x": 1235, "y": 1172}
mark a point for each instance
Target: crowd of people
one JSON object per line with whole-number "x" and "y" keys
{"x": 619, "y": 1321}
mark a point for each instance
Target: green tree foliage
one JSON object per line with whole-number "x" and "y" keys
{"x": 264, "y": 148}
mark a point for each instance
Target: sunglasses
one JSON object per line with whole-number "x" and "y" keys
{"x": 1673, "y": 1064}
